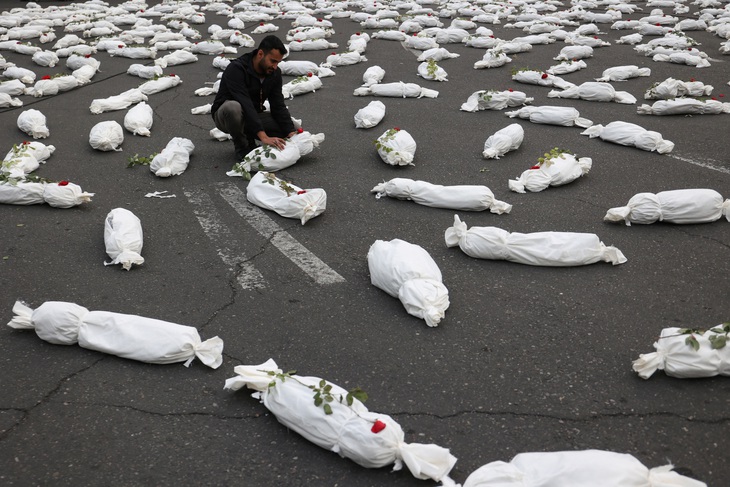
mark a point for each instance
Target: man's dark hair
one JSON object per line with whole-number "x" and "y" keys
{"x": 271, "y": 42}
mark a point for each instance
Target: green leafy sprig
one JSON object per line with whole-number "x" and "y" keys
{"x": 273, "y": 180}
{"x": 137, "y": 160}
{"x": 554, "y": 153}
{"x": 323, "y": 394}
{"x": 717, "y": 341}
{"x": 432, "y": 68}
{"x": 381, "y": 141}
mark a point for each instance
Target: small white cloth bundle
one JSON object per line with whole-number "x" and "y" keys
{"x": 622, "y": 73}
{"x": 373, "y": 75}
{"x": 146, "y": 72}
{"x": 504, "y": 140}
{"x": 684, "y": 106}
{"x": 431, "y": 71}
{"x": 43, "y": 87}
{"x": 25, "y": 158}
{"x": 266, "y": 158}
{"x": 106, "y": 136}
{"x": 370, "y": 115}
{"x": 555, "y": 171}
{"x": 45, "y": 58}
{"x": 173, "y": 159}
{"x": 680, "y": 206}
{"x": 160, "y": 84}
{"x": 310, "y": 45}
{"x": 495, "y": 100}
{"x": 123, "y": 238}
{"x": 437, "y": 54}
{"x": 12, "y": 87}
{"x": 127, "y": 336}
{"x": 267, "y": 191}
{"x": 26, "y": 76}
{"x": 457, "y": 197}
{"x": 396, "y": 89}
{"x": 551, "y": 115}
{"x": 673, "y": 88}
{"x": 396, "y": 147}
{"x": 308, "y": 83}
{"x": 59, "y": 195}
{"x": 370, "y": 439}
{"x": 630, "y": 134}
{"x": 345, "y": 59}
{"x": 33, "y": 123}
{"x": 687, "y": 354}
{"x": 597, "y": 468}
{"x": 406, "y": 271}
{"x": 541, "y": 78}
{"x": 117, "y": 102}
{"x": 554, "y": 249}
{"x": 595, "y": 91}
{"x": 138, "y": 119}
{"x": 493, "y": 58}
{"x": 567, "y": 67}
{"x": 176, "y": 58}
{"x": 574, "y": 53}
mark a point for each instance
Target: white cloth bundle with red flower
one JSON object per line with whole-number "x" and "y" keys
{"x": 493, "y": 58}
{"x": 555, "y": 249}
{"x": 389, "y": 35}
{"x": 630, "y": 134}
{"x": 456, "y": 197}
{"x": 267, "y": 158}
{"x": 43, "y": 87}
{"x": 396, "y": 147}
{"x": 59, "y": 195}
{"x": 682, "y": 57}
{"x": 372, "y": 440}
{"x": 504, "y": 140}
{"x": 127, "y": 336}
{"x": 396, "y": 89}
{"x": 554, "y": 171}
{"x": 305, "y": 141}
{"x": 308, "y": 83}
{"x": 310, "y": 45}
{"x": 33, "y": 123}
{"x": 406, "y": 271}
{"x": 267, "y": 191}
{"x": 117, "y": 102}
{"x": 687, "y": 354}
{"x": 684, "y": 106}
{"x": 551, "y": 115}
{"x": 174, "y": 158}
{"x": 594, "y": 91}
{"x": 25, "y": 158}
{"x": 45, "y": 58}
{"x": 139, "y": 118}
{"x": 84, "y": 74}
{"x": 133, "y": 52}
{"x": 176, "y": 58}
{"x": 597, "y": 468}
{"x": 123, "y": 238}
{"x": 679, "y": 206}
{"x": 495, "y": 100}
{"x": 298, "y": 68}
{"x": 672, "y": 88}
{"x": 540, "y": 78}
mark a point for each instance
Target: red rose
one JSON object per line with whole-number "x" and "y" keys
{"x": 692, "y": 80}
{"x": 300, "y": 130}
{"x": 261, "y": 24}
{"x": 658, "y": 24}
{"x": 309, "y": 75}
{"x": 301, "y": 192}
{"x": 63, "y": 183}
{"x": 595, "y": 37}
{"x": 120, "y": 46}
{"x": 544, "y": 76}
{"x": 334, "y": 54}
{"x": 713, "y": 98}
{"x": 87, "y": 56}
{"x": 378, "y": 426}
{"x": 46, "y": 77}
{"x": 357, "y": 33}
{"x": 510, "y": 90}
{"x": 535, "y": 167}
{"x": 25, "y": 142}
{"x": 396, "y": 129}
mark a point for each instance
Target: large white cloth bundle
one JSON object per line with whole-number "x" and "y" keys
{"x": 540, "y": 78}
{"x": 622, "y": 73}
{"x": 345, "y": 59}
{"x": 310, "y": 45}
{"x": 682, "y": 57}
{"x": 84, "y": 74}
{"x": 146, "y": 72}
{"x": 12, "y": 87}
{"x": 269, "y": 192}
{"x": 681, "y": 206}
{"x": 75, "y": 61}
{"x": 451, "y": 35}
{"x": 59, "y": 195}
{"x": 127, "y": 336}
{"x": 406, "y": 271}
{"x": 266, "y": 158}
{"x": 373, "y": 75}
{"x": 66, "y": 82}
{"x": 555, "y": 249}
{"x": 597, "y": 468}
{"x": 431, "y": 71}
{"x": 504, "y": 140}
{"x": 43, "y": 87}
{"x": 173, "y": 159}
{"x": 684, "y": 106}
{"x": 437, "y": 54}
{"x": 123, "y": 238}
{"x": 493, "y": 58}
{"x": 159, "y": 84}
{"x": 574, "y": 53}
{"x": 306, "y": 141}
{"x": 594, "y": 91}
{"x": 551, "y": 115}
{"x": 298, "y": 68}
{"x": 106, "y": 136}
{"x": 396, "y": 89}
{"x": 33, "y": 123}
{"x": 554, "y": 171}
{"x": 396, "y": 147}
{"x": 687, "y": 354}
{"x": 420, "y": 43}
{"x": 630, "y": 134}
{"x": 20, "y": 160}
{"x": 482, "y": 41}
{"x": 370, "y": 115}
{"x": 133, "y": 52}
{"x": 390, "y": 35}
{"x": 495, "y": 100}
{"x": 370, "y": 439}
{"x": 300, "y": 85}
{"x": 139, "y": 118}
{"x": 457, "y": 197}
{"x": 176, "y": 58}
{"x": 38, "y": 150}
{"x": 23, "y": 74}
{"x": 117, "y": 102}
{"x": 45, "y": 58}
{"x": 673, "y": 88}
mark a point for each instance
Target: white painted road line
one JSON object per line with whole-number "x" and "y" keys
{"x": 249, "y": 277}
{"x": 708, "y": 165}
{"x": 268, "y": 228}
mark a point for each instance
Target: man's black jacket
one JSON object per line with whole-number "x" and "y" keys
{"x": 241, "y": 83}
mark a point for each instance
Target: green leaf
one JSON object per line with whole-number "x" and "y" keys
{"x": 692, "y": 342}
{"x": 272, "y": 383}
{"x": 322, "y": 383}
{"x": 327, "y": 388}
{"x": 327, "y": 409}
{"x": 317, "y": 401}
{"x": 359, "y": 394}
{"x": 349, "y": 399}
{"x": 273, "y": 156}
{"x": 329, "y": 398}
{"x": 718, "y": 341}
{"x": 271, "y": 372}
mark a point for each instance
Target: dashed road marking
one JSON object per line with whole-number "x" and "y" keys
{"x": 708, "y": 165}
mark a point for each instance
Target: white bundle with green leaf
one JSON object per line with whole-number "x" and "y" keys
{"x": 436, "y": 54}
{"x": 574, "y": 53}
{"x": 133, "y": 52}
{"x": 344, "y": 59}
{"x": 174, "y": 158}
{"x": 139, "y": 118}
{"x": 504, "y": 140}
{"x": 143, "y": 71}
{"x": 117, "y": 102}
{"x": 495, "y": 100}
{"x": 567, "y": 67}
{"x": 305, "y": 141}
{"x": 123, "y": 238}
{"x": 556, "y": 168}
{"x": 456, "y": 197}
{"x": 679, "y": 206}
{"x": 310, "y": 45}
{"x": 554, "y": 249}
{"x": 682, "y": 57}
{"x": 594, "y": 91}
{"x": 370, "y": 115}
{"x": 127, "y": 336}
{"x": 267, "y": 191}
{"x": 431, "y": 71}
{"x": 672, "y": 88}
{"x": 43, "y": 87}
{"x": 406, "y": 271}
{"x": 30, "y": 192}
{"x": 24, "y": 158}
{"x": 396, "y": 147}
{"x": 300, "y": 85}
{"x": 684, "y": 106}
{"x": 33, "y": 123}
{"x": 630, "y": 134}
{"x": 337, "y": 420}
{"x": 493, "y": 58}
{"x": 540, "y": 78}
{"x": 396, "y": 89}
{"x": 551, "y": 115}
{"x": 266, "y": 158}
{"x": 597, "y": 468}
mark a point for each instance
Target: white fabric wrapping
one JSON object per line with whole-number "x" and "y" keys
{"x": 142, "y": 71}
{"x": 574, "y": 53}
{"x": 345, "y": 59}
{"x": 493, "y": 58}
{"x": 397, "y": 89}
{"x": 438, "y": 75}
{"x": 173, "y": 159}
{"x": 437, "y": 54}
{"x": 139, "y": 118}
{"x": 622, "y": 73}
{"x": 566, "y": 67}
{"x": 556, "y": 249}
{"x": 684, "y": 106}
{"x": 58, "y": 195}
{"x": 458, "y": 197}
{"x": 373, "y": 75}
{"x": 563, "y": 169}
{"x": 106, "y": 136}
{"x": 673, "y": 88}
{"x": 407, "y": 271}
{"x": 301, "y": 85}
{"x": 117, "y": 102}
{"x": 678, "y": 359}
{"x": 265, "y": 190}
{"x": 348, "y": 431}
{"x": 680, "y": 206}
{"x": 595, "y": 91}
{"x": 258, "y": 160}
{"x": 298, "y": 68}
{"x": 160, "y": 84}
{"x": 596, "y": 468}
{"x": 305, "y": 141}
{"x": 551, "y": 115}
{"x": 370, "y": 115}
{"x": 127, "y": 336}
{"x": 494, "y": 100}
{"x": 44, "y": 87}
{"x": 682, "y": 57}
{"x": 123, "y": 238}
{"x": 540, "y": 78}
{"x": 21, "y": 193}
{"x": 176, "y": 58}
{"x": 397, "y": 149}
{"x": 19, "y": 161}
{"x": 504, "y": 140}
{"x": 630, "y": 134}
{"x": 33, "y": 123}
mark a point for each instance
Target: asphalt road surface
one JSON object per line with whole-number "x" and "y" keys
{"x": 527, "y": 358}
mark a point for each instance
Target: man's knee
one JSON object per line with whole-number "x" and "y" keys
{"x": 229, "y": 115}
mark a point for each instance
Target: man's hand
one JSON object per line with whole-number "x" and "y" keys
{"x": 277, "y": 142}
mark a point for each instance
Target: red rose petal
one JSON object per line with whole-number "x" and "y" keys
{"x": 378, "y": 426}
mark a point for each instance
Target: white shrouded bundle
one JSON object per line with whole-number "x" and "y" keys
{"x": 160, "y": 84}
{"x": 493, "y": 58}
{"x": 305, "y": 141}
{"x": 25, "y": 158}
{"x": 622, "y": 73}
{"x": 673, "y": 88}
{"x": 396, "y": 147}
{"x": 33, "y": 123}
{"x": 567, "y": 67}
{"x": 555, "y": 249}
{"x": 458, "y": 197}
{"x": 437, "y": 54}
{"x": 684, "y": 106}
{"x": 16, "y": 72}
{"x": 127, "y": 336}
{"x": 597, "y": 468}
{"x": 682, "y": 57}
{"x": 12, "y": 87}
{"x": 595, "y": 91}
{"x": 630, "y": 134}
{"x": 397, "y": 89}
{"x": 370, "y": 115}
{"x": 139, "y": 118}
{"x": 45, "y": 58}
{"x": 373, "y": 75}
{"x": 345, "y": 59}
{"x": 540, "y": 78}
{"x": 431, "y": 71}
{"x": 133, "y": 52}
{"x": 370, "y": 439}
{"x": 66, "y": 82}
{"x": 84, "y": 74}
{"x": 420, "y": 43}
{"x": 59, "y": 195}
{"x": 176, "y": 58}
{"x": 406, "y": 271}
{"x": 267, "y": 191}
{"x": 106, "y": 136}
{"x": 687, "y": 354}
{"x": 504, "y": 140}
{"x": 123, "y": 238}
{"x": 482, "y": 41}
{"x": 574, "y": 53}
{"x": 266, "y": 158}
{"x": 43, "y": 87}
{"x": 555, "y": 171}
{"x": 495, "y": 100}
{"x": 303, "y": 84}
{"x": 310, "y": 45}
{"x": 680, "y": 206}
{"x": 117, "y": 102}
{"x": 146, "y": 72}
{"x": 390, "y": 35}
{"x": 551, "y": 115}
{"x": 173, "y": 159}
